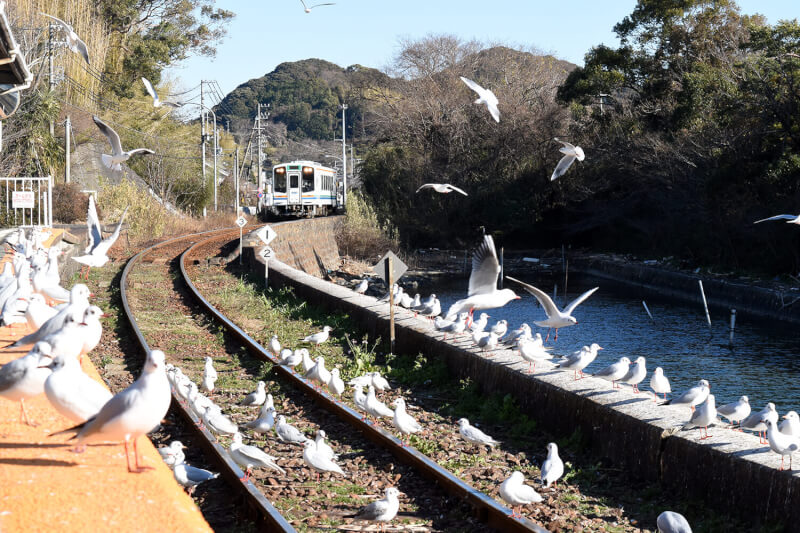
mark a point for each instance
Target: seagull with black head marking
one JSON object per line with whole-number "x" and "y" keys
{"x": 74, "y": 42}
{"x": 485, "y": 96}
{"x": 483, "y": 293}
{"x": 118, "y": 155}
{"x": 443, "y": 188}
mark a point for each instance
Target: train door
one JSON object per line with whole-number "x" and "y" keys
{"x": 294, "y": 187}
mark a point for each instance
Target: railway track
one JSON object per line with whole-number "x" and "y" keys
{"x": 440, "y": 501}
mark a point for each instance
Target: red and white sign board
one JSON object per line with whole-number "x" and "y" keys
{"x": 23, "y": 199}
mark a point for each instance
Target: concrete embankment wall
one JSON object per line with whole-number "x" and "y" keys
{"x": 764, "y": 303}
{"x": 730, "y": 472}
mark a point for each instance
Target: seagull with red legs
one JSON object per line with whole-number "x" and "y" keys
{"x": 703, "y": 416}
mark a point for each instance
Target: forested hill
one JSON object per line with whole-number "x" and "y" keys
{"x": 304, "y": 95}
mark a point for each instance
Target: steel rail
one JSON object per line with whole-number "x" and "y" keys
{"x": 486, "y": 508}
{"x": 265, "y": 512}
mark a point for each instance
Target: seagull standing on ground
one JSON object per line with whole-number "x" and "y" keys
{"x": 552, "y": 467}
{"x": 483, "y": 293}
{"x": 319, "y": 337}
{"x": 172, "y": 454}
{"x": 209, "y": 375}
{"x": 555, "y": 319}
{"x": 780, "y": 443}
{"x": 191, "y": 476}
{"x": 659, "y": 383}
{"x": 74, "y": 43}
{"x": 257, "y": 397}
{"x": 265, "y": 420}
{"x": 132, "y": 412}
{"x": 705, "y": 414}
{"x": 383, "y": 510}
{"x": 475, "y": 435}
{"x": 580, "y": 359}
{"x": 693, "y": 396}
{"x": 755, "y": 422}
{"x": 571, "y": 153}
{"x": 443, "y": 188}
{"x": 250, "y": 457}
{"x": 97, "y": 252}
{"x": 71, "y": 392}
{"x": 636, "y": 374}
{"x": 532, "y": 351}
{"x": 404, "y": 421}
{"x": 485, "y": 96}
{"x": 516, "y": 493}
{"x": 118, "y": 155}
{"x": 615, "y": 371}
{"x": 735, "y": 411}
{"x": 25, "y": 377}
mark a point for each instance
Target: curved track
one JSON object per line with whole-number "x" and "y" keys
{"x": 485, "y": 508}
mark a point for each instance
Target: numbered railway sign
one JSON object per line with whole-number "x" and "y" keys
{"x": 267, "y": 253}
{"x": 241, "y": 222}
{"x": 266, "y": 234}
{"x": 398, "y": 267}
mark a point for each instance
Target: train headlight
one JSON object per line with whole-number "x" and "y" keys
{"x": 307, "y": 171}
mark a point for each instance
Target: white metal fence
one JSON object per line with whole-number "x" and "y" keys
{"x": 26, "y": 201}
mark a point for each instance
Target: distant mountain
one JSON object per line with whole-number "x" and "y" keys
{"x": 304, "y": 95}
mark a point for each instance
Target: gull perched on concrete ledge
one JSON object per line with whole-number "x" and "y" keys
{"x": 694, "y": 396}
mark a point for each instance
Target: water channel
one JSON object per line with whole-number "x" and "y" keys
{"x": 763, "y": 363}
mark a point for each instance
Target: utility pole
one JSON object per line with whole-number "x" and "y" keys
{"x": 258, "y": 138}
{"x": 203, "y": 132}
{"x": 236, "y": 177}
{"x": 215, "y": 163}
{"x": 50, "y": 82}
{"x": 67, "y": 134}
{"x": 344, "y": 161}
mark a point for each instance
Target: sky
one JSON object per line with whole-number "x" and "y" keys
{"x": 265, "y": 33}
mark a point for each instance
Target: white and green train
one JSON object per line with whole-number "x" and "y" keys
{"x": 301, "y": 188}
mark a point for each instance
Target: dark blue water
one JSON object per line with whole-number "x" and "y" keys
{"x": 764, "y": 363}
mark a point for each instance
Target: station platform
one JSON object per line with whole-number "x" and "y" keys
{"x": 47, "y": 487}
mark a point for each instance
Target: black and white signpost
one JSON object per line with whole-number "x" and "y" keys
{"x": 390, "y": 269}
{"x": 266, "y": 234}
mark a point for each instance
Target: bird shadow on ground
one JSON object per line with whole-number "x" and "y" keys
{"x": 626, "y": 402}
{"x": 591, "y": 392}
{"x": 754, "y": 451}
{"x": 35, "y": 462}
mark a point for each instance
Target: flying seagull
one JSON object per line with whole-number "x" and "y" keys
{"x": 96, "y": 254}
{"x": 571, "y": 153}
{"x": 74, "y": 42}
{"x": 152, "y": 92}
{"x": 117, "y": 155}
{"x": 443, "y": 188}
{"x": 308, "y": 9}
{"x": 790, "y": 219}
{"x": 555, "y": 318}
{"x": 485, "y": 96}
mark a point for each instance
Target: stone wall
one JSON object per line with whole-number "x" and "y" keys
{"x": 729, "y": 472}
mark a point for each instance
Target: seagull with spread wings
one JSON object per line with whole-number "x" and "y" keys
{"x": 443, "y": 188}
{"x": 790, "y": 219}
{"x": 555, "y": 319}
{"x": 485, "y": 96}
{"x": 96, "y": 254}
{"x": 117, "y": 154}
{"x": 571, "y": 153}
{"x": 483, "y": 293}
{"x": 154, "y": 95}
{"x": 74, "y": 42}
{"x": 308, "y": 9}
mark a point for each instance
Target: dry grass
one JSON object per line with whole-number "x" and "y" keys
{"x": 362, "y": 235}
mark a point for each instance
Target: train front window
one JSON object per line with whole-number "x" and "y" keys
{"x": 280, "y": 183}
{"x": 308, "y": 183}
{"x": 293, "y": 181}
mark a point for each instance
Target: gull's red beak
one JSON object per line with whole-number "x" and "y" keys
{"x": 105, "y": 315}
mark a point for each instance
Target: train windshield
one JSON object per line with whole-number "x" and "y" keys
{"x": 308, "y": 183}
{"x": 280, "y": 182}
{"x": 293, "y": 181}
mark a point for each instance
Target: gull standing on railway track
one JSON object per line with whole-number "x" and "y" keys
{"x": 209, "y": 375}
{"x": 319, "y": 337}
{"x": 318, "y": 372}
{"x": 383, "y": 510}
{"x": 516, "y": 493}
{"x": 322, "y": 446}
{"x": 404, "y": 421}
{"x": 218, "y": 422}
{"x": 482, "y": 292}
{"x": 288, "y": 433}
{"x": 319, "y": 461}
{"x": 659, "y": 383}
{"x": 275, "y": 345}
{"x": 132, "y": 412}
{"x": 257, "y": 397}
{"x": 265, "y": 421}
{"x": 25, "y": 377}
{"x": 335, "y": 384}
{"x": 249, "y": 457}
{"x": 291, "y": 358}
{"x": 375, "y": 407}
{"x": 190, "y": 476}
{"x": 475, "y": 435}
{"x": 556, "y": 319}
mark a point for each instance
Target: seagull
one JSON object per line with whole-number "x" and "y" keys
{"x": 555, "y": 318}
{"x": 198, "y": 401}
{"x": 500, "y": 328}
{"x": 217, "y": 422}
{"x": 172, "y": 454}
{"x": 275, "y": 345}
{"x": 250, "y": 457}
{"x": 74, "y": 42}
{"x": 636, "y": 374}
{"x": 361, "y": 287}
{"x": 552, "y": 467}
{"x": 485, "y": 96}
{"x": 475, "y": 435}
{"x": 516, "y": 493}
{"x": 291, "y": 358}
{"x": 190, "y": 476}
{"x": 319, "y": 461}
{"x": 25, "y": 377}
{"x": 308, "y": 363}
{"x": 288, "y": 433}
{"x": 319, "y": 337}
{"x": 615, "y": 371}
{"x": 443, "y": 188}
{"x": 483, "y": 293}
{"x": 694, "y": 396}
{"x": 73, "y": 393}
{"x": 359, "y": 398}
{"x": 404, "y": 421}
{"x": 132, "y": 412}
{"x": 96, "y": 254}
{"x": 257, "y": 397}
{"x": 532, "y": 351}
{"x": 91, "y": 329}
{"x": 318, "y": 372}
{"x": 571, "y": 153}
{"x": 791, "y": 424}
{"x": 457, "y": 326}
{"x": 580, "y": 359}
{"x": 308, "y": 9}
{"x": 265, "y": 421}
{"x": 383, "y": 510}
{"x": 755, "y": 421}
{"x": 375, "y": 407}
{"x": 323, "y": 447}
{"x": 38, "y": 312}
{"x": 780, "y": 443}
{"x": 379, "y": 382}
{"x": 209, "y": 375}
{"x": 735, "y": 411}
{"x": 117, "y": 154}
{"x": 335, "y": 383}
{"x": 790, "y": 219}
{"x": 523, "y": 331}
{"x": 659, "y": 383}
{"x": 672, "y": 522}
{"x": 480, "y": 324}
{"x": 152, "y": 92}
{"x": 705, "y": 415}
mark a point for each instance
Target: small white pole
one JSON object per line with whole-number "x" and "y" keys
{"x": 648, "y": 311}
{"x": 705, "y": 302}
{"x": 733, "y": 324}
{"x": 555, "y": 291}
{"x": 266, "y": 272}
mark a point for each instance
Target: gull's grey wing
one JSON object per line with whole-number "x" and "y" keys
{"x": 114, "y": 408}
{"x": 472, "y": 85}
{"x": 93, "y": 224}
{"x": 150, "y": 90}
{"x": 427, "y": 186}
{"x": 373, "y": 510}
{"x": 80, "y": 48}
{"x": 474, "y": 433}
{"x": 140, "y": 150}
{"x": 568, "y": 146}
{"x": 549, "y": 306}
{"x": 728, "y": 408}
{"x": 492, "y": 107}
{"x": 12, "y": 372}
{"x": 485, "y": 268}
{"x": 64, "y": 24}
{"x": 291, "y": 433}
{"x": 562, "y": 166}
{"x": 108, "y": 242}
{"x": 304, "y": 4}
{"x": 578, "y": 301}
{"x": 325, "y": 4}
{"x": 454, "y": 188}
{"x": 777, "y": 217}
{"x": 198, "y": 475}
{"x": 113, "y": 137}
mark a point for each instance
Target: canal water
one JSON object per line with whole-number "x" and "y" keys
{"x": 763, "y": 362}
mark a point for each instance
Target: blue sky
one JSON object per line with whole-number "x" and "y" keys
{"x": 266, "y": 33}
